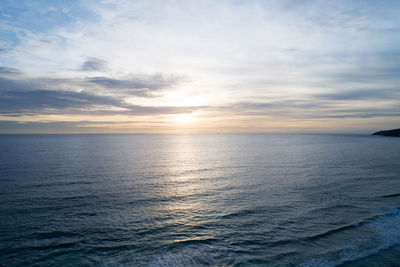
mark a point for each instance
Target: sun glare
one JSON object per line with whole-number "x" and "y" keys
{"x": 184, "y": 118}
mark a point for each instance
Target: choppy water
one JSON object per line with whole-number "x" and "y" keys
{"x": 194, "y": 200}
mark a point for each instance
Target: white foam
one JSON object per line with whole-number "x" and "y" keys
{"x": 387, "y": 233}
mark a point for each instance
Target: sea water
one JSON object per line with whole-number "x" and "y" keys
{"x": 199, "y": 200}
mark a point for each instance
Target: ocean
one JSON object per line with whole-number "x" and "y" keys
{"x": 199, "y": 200}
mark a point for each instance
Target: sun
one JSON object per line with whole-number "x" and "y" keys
{"x": 184, "y": 118}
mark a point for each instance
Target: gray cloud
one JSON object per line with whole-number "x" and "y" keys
{"x": 309, "y": 109}
{"x": 16, "y": 103}
{"x": 22, "y": 102}
{"x": 278, "y": 104}
{"x": 21, "y": 95}
{"x": 9, "y": 71}
{"x": 151, "y": 82}
{"x": 94, "y": 64}
{"x": 132, "y": 86}
{"x": 360, "y": 94}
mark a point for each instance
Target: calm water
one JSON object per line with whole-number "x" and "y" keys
{"x": 187, "y": 200}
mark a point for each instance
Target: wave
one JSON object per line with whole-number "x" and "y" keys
{"x": 79, "y": 197}
{"x": 53, "y": 234}
{"x": 193, "y": 241}
{"x": 62, "y": 245}
{"x": 387, "y": 235}
{"x": 192, "y": 256}
{"x": 240, "y": 213}
{"x": 391, "y": 195}
{"x": 163, "y": 199}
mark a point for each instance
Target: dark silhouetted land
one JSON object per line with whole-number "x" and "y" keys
{"x": 394, "y": 132}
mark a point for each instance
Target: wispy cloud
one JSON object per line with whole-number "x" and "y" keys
{"x": 9, "y": 71}
{"x": 375, "y": 94}
{"x": 150, "y": 82}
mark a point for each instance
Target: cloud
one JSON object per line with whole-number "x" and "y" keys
{"x": 132, "y": 85}
{"x": 143, "y": 85}
{"x": 22, "y": 95}
{"x": 362, "y": 94}
{"x": 308, "y": 109}
{"x": 25, "y": 102}
{"x": 94, "y": 64}
{"x": 9, "y": 71}
{"x": 17, "y": 103}
{"x": 152, "y": 82}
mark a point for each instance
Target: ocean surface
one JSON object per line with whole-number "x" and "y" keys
{"x": 199, "y": 200}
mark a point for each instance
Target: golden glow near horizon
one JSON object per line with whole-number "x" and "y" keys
{"x": 199, "y": 67}
{"x": 184, "y": 118}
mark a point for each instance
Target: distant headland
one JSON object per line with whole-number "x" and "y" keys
{"x": 394, "y": 132}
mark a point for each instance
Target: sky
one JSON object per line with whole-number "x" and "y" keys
{"x": 286, "y": 66}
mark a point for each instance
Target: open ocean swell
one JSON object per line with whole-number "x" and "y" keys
{"x": 199, "y": 200}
